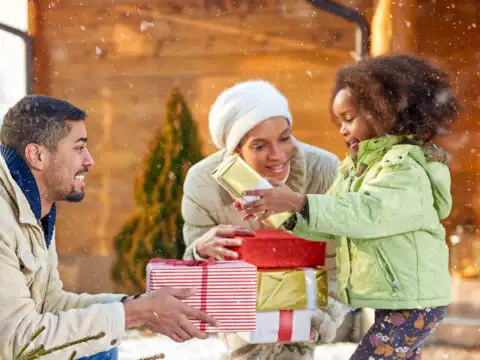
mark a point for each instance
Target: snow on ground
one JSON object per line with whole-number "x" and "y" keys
{"x": 136, "y": 346}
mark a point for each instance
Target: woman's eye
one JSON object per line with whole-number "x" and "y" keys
{"x": 349, "y": 120}
{"x": 285, "y": 138}
{"x": 257, "y": 147}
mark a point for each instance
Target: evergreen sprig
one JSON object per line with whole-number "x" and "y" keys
{"x": 155, "y": 230}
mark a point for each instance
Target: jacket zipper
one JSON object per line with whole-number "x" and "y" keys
{"x": 388, "y": 269}
{"x": 47, "y": 268}
{"x": 349, "y": 245}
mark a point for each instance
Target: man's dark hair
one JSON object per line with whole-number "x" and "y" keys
{"x": 401, "y": 94}
{"x": 38, "y": 119}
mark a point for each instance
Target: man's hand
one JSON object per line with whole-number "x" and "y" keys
{"x": 164, "y": 312}
{"x": 215, "y": 243}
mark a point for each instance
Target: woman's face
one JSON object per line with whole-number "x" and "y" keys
{"x": 268, "y": 148}
{"x": 353, "y": 126}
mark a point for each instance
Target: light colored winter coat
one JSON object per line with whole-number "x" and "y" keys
{"x": 206, "y": 204}
{"x": 31, "y": 294}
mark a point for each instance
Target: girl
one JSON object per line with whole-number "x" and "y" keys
{"x": 384, "y": 208}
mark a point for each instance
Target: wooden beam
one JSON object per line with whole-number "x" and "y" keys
{"x": 291, "y": 61}
{"x": 214, "y": 26}
{"x": 40, "y": 71}
{"x": 394, "y": 27}
{"x": 382, "y": 30}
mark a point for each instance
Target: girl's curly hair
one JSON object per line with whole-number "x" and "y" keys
{"x": 401, "y": 94}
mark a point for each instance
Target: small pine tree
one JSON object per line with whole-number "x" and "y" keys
{"x": 156, "y": 229}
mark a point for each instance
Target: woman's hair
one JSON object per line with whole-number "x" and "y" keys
{"x": 401, "y": 94}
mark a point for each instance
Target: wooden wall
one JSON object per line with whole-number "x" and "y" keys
{"x": 449, "y": 32}
{"x": 118, "y": 59}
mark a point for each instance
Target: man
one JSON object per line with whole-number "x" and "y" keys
{"x": 44, "y": 159}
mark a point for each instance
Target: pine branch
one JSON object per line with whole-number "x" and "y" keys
{"x": 155, "y": 230}
{"x": 35, "y": 352}
{"x": 41, "y": 351}
{"x": 75, "y": 342}
{"x": 34, "y": 336}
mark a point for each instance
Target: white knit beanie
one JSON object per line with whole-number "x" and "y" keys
{"x": 240, "y": 108}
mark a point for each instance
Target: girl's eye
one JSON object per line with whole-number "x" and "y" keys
{"x": 349, "y": 120}
{"x": 257, "y": 147}
{"x": 285, "y": 138}
{"x": 81, "y": 148}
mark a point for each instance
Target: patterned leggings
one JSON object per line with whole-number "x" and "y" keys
{"x": 398, "y": 334}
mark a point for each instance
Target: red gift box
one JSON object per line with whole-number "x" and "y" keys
{"x": 226, "y": 290}
{"x": 280, "y": 249}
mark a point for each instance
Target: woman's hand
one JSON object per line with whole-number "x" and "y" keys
{"x": 272, "y": 201}
{"x": 215, "y": 243}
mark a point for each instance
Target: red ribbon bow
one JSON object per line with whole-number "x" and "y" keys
{"x": 203, "y": 287}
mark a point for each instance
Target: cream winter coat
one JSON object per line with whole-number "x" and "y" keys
{"x": 206, "y": 204}
{"x": 31, "y": 294}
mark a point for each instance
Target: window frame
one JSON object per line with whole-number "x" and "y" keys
{"x": 28, "y": 40}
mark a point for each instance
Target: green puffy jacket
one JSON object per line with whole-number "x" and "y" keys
{"x": 384, "y": 212}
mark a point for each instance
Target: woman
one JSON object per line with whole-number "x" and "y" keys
{"x": 253, "y": 119}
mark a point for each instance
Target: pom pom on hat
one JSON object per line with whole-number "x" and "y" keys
{"x": 240, "y": 108}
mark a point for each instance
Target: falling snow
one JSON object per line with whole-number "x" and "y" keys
{"x": 144, "y": 25}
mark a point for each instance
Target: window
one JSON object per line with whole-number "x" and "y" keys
{"x": 14, "y": 43}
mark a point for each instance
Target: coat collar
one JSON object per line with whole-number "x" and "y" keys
{"x": 369, "y": 150}
{"x": 298, "y": 170}
{"x": 26, "y": 194}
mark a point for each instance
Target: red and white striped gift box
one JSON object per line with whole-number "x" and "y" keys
{"x": 226, "y": 290}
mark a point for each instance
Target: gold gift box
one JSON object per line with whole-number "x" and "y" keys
{"x": 236, "y": 176}
{"x": 294, "y": 289}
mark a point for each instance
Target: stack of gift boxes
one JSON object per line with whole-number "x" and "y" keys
{"x": 291, "y": 284}
{"x": 269, "y": 293}
{"x": 267, "y": 296}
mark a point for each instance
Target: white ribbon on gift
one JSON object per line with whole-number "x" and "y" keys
{"x": 311, "y": 287}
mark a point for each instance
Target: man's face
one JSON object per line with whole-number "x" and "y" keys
{"x": 68, "y": 165}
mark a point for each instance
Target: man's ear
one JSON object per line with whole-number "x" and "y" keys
{"x": 36, "y": 156}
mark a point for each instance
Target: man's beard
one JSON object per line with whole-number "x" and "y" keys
{"x": 75, "y": 196}
{"x": 59, "y": 194}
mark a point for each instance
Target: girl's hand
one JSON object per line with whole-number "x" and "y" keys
{"x": 272, "y": 201}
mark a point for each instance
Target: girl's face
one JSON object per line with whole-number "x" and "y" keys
{"x": 268, "y": 148}
{"x": 353, "y": 126}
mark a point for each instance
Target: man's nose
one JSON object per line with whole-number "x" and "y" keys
{"x": 88, "y": 161}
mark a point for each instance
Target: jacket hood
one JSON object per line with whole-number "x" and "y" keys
{"x": 433, "y": 159}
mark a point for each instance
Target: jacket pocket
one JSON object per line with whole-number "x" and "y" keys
{"x": 388, "y": 270}
{"x": 28, "y": 266}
